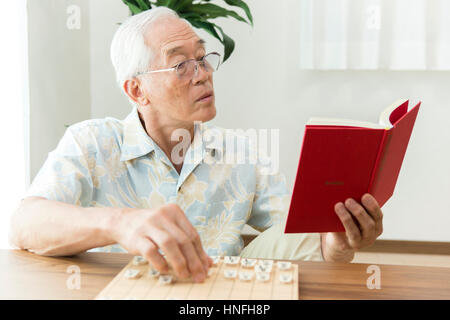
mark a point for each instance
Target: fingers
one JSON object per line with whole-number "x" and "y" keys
{"x": 171, "y": 231}
{"x": 362, "y": 222}
{"x": 205, "y": 259}
{"x": 372, "y": 207}
{"x": 193, "y": 235}
{"x": 167, "y": 243}
{"x": 150, "y": 252}
{"x": 366, "y": 223}
{"x": 352, "y": 231}
{"x": 195, "y": 264}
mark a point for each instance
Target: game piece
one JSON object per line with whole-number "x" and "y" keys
{"x": 138, "y": 261}
{"x": 245, "y": 275}
{"x": 166, "y": 279}
{"x": 132, "y": 274}
{"x": 153, "y": 273}
{"x": 231, "y": 281}
{"x": 284, "y": 265}
{"x": 286, "y": 277}
{"x": 229, "y": 273}
{"x": 266, "y": 263}
{"x": 262, "y": 276}
{"x": 262, "y": 268}
{"x": 231, "y": 260}
{"x": 215, "y": 259}
{"x": 248, "y": 263}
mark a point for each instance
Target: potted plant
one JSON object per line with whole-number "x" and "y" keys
{"x": 199, "y": 13}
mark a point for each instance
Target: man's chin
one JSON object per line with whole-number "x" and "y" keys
{"x": 207, "y": 113}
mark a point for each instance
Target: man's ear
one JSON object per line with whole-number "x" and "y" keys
{"x": 132, "y": 88}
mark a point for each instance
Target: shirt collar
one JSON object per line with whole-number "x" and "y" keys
{"x": 136, "y": 141}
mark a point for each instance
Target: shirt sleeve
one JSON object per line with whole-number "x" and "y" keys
{"x": 65, "y": 175}
{"x": 272, "y": 198}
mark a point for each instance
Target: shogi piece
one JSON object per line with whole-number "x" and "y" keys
{"x": 231, "y": 260}
{"x": 228, "y": 279}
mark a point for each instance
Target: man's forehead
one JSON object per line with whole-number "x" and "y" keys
{"x": 171, "y": 49}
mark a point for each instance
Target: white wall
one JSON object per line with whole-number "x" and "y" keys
{"x": 14, "y": 104}
{"x": 269, "y": 91}
{"x": 261, "y": 86}
{"x": 59, "y": 74}
{"x": 106, "y": 98}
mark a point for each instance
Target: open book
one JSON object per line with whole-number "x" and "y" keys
{"x": 386, "y": 120}
{"x": 343, "y": 159}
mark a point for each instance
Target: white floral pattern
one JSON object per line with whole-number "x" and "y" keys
{"x": 114, "y": 163}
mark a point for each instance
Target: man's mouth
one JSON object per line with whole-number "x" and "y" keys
{"x": 206, "y": 97}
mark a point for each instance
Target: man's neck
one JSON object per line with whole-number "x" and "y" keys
{"x": 161, "y": 129}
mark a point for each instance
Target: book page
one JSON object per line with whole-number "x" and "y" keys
{"x": 383, "y": 122}
{"x": 344, "y": 122}
{"x": 384, "y": 116}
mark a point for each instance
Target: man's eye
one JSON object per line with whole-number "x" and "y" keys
{"x": 176, "y": 64}
{"x": 181, "y": 68}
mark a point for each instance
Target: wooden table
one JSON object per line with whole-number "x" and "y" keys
{"x": 24, "y": 275}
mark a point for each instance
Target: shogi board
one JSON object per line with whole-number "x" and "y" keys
{"x": 215, "y": 287}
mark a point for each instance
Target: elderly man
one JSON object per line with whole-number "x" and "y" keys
{"x": 125, "y": 185}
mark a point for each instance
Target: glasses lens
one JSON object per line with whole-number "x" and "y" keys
{"x": 184, "y": 68}
{"x": 212, "y": 62}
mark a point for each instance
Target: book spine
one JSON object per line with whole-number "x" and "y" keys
{"x": 377, "y": 161}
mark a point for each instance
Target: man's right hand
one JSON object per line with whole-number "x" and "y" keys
{"x": 145, "y": 231}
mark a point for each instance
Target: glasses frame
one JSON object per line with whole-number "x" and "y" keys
{"x": 175, "y": 68}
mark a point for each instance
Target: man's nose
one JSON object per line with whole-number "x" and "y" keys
{"x": 200, "y": 73}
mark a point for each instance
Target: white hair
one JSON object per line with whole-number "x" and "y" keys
{"x": 129, "y": 51}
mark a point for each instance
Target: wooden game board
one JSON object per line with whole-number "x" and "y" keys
{"x": 215, "y": 287}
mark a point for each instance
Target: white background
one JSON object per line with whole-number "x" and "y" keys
{"x": 261, "y": 86}
{"x": 13, "y": 99}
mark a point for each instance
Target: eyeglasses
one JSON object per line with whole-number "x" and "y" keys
{"x": 189, "y": 68}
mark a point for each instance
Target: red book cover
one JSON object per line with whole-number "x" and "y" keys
{"x": 343, "y": 159}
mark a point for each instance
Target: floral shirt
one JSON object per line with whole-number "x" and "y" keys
{"x": 114, "y": 163}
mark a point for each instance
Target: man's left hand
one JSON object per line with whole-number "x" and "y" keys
{"x": 363, "y": 223}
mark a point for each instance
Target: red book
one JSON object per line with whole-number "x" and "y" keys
{"x": 343, "y": 159}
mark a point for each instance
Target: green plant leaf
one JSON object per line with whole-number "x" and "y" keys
{"x": 198, "y": 12}
{"x": 214, "y": 11}
{"x": 144, "y": 4}
{"x": 191, "y": 15}
{"x": 181, "y": 5}
{"x": 163, "y": 3}
{"x": 207, "y": 26}
{"x": 133, "y": 7}
{"x": 244, "y": 6}
{"x": 228, "y": 44}
{"x": 133, "y": 2}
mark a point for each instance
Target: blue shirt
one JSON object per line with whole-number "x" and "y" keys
{"x": 114, "y": 163}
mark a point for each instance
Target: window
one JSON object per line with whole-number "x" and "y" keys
{"x": 375, "y": 34}
{"x": 13, "y": 102}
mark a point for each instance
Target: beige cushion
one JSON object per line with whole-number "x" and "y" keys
{"x": 275, "y": 244}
